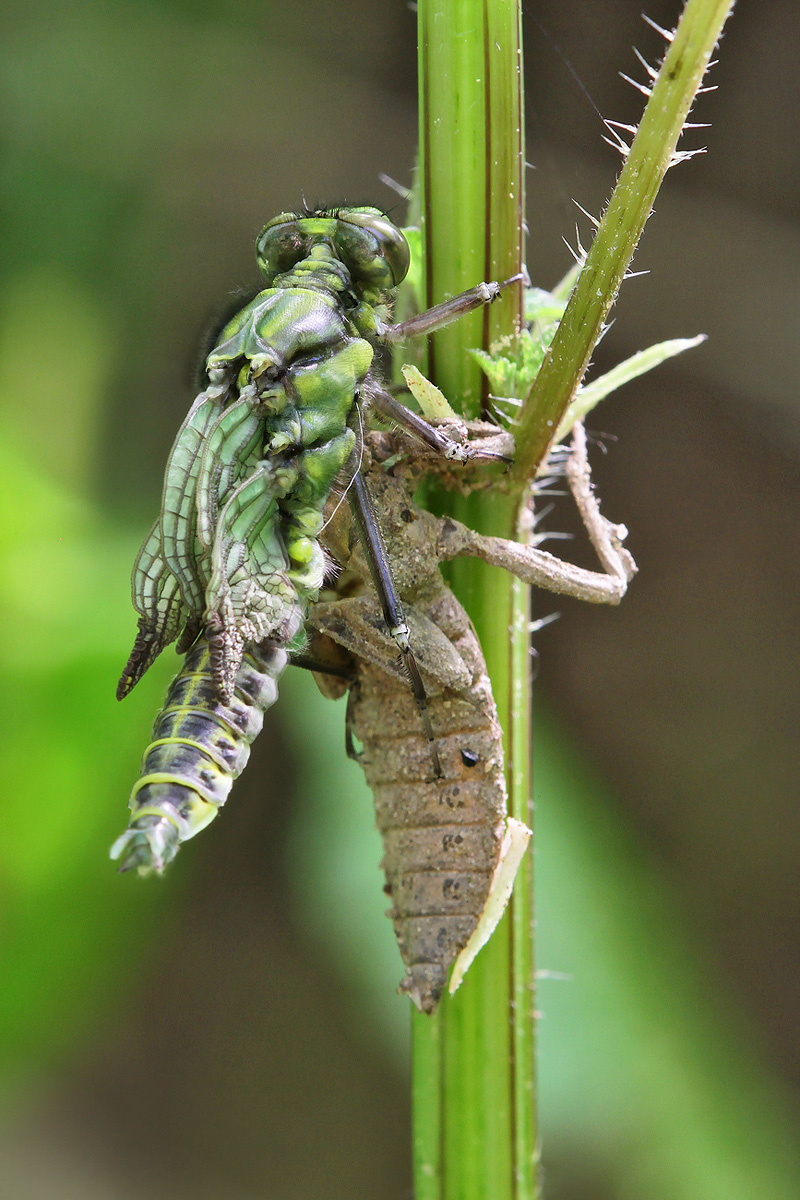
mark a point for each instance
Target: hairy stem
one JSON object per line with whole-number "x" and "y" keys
{"x": 646, "y": 162}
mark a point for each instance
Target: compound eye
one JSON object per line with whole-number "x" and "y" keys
{"x": 280, "y": 245}
{"x": 373, "y": 248}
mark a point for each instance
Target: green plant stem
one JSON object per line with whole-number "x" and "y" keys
{"x": 619, "y": 231}
{"x": 471, "y": 174}
{"x": 473, "y": 1091}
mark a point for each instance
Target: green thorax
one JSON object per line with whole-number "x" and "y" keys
{"x": 277, "y": 327}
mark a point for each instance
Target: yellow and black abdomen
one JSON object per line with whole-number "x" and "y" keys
{"x": 199, "y": 747}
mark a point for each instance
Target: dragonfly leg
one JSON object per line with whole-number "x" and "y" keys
{"x": 442, "y": 314}
{"x": 372, "y": 540}
{"x": 462, "y": 452}
{"x": 308, "y": 663}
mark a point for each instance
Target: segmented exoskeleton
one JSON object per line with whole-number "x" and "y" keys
{"x": 442, "y": 836}
{"x": 450, "y": 852}
{"x": 234, "y": 559}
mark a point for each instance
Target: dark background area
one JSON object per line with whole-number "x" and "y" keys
{"x": 234, "y": 1031}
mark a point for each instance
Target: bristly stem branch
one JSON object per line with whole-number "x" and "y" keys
{"x": 650, "y": 155}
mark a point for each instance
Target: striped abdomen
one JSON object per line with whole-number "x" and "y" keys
{"x": 199, "y": 747}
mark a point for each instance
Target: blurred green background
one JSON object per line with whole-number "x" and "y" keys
{"x": 233, "y": 1030}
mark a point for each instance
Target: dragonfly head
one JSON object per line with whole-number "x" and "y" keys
{"x": 370, "y": 247}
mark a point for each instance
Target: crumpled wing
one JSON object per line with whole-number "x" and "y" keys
{"x": 157, "y": 598}
{"x": 232, "y": 450}
{"x": 181, "y": 548}
{"x": 249, "y": 596}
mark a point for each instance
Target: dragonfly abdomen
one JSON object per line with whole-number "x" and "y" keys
{"x": 200, "y": 746}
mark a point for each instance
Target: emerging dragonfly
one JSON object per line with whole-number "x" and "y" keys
{"x": 234, "y": 559}
{"x": 234, "y": 562}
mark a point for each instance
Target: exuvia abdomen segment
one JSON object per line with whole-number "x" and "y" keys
{"x": 199, "y": 747}
{"x": 441, "y": 836}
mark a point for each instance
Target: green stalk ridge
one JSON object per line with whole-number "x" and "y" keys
{"x": 473, "y": 1062}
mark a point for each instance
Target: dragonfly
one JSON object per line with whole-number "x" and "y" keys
{"x": 234, "y": 559}
{"x": 245, "y": 541}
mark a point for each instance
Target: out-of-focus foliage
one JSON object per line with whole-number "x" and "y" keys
{"x": 334, "y": 852}
{"x": 70, "y": 930}
{"x": 672, "y": 1098}
{"x": 142, "y": 146}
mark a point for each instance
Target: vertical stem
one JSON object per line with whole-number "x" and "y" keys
{"x": 471, "y": 174}
{"x": 427, "y": 1107}
{"x": 474, "y": 1096}
{"x": 522, "y": 914}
